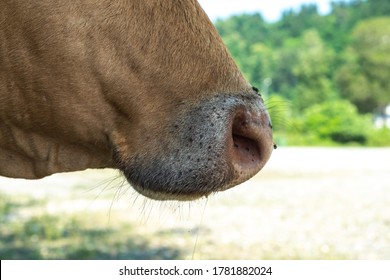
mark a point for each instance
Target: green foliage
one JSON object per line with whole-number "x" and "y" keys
{"x": 309, "y": 59}
{"x": 337, "y": 121}
{"x": 379, "y": 137}
{"x": 312, "y": 70}
{"x": 364, "y": 78}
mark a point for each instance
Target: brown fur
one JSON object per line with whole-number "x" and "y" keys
{"x": 93, "y": 84}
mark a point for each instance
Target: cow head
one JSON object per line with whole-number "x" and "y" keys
{"x": 144, "y": 86}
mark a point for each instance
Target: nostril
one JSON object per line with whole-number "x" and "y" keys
{"x": 251, "y": 142}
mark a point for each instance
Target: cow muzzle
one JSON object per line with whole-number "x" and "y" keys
{"x": 210, "y": 146}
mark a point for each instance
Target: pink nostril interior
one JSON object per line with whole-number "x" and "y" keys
{"x": 251, "y": 143}
{"x": 246, "y": 152}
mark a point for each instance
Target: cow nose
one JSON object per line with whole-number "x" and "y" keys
{"x": 250, "y": 143}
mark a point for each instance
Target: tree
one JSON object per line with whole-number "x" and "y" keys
{"x": 251, "y": 28}
{"x": 295, "y": 23}
{"x": 283, "y": 78}
{"x": 364, "y": 79}
{"x": 303, "y": 72}
{"x": 378, "y": 8}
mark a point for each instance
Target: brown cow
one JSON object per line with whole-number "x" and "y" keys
{"x": 144, "y": 86}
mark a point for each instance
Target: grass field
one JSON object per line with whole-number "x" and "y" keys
{"x": 307, "y": 203}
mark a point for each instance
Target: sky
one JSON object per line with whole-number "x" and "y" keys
{"x": 270, "y": 9}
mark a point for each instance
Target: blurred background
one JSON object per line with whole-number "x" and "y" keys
{"x": 324, "y": 71}
{"x": 323, "y": 68}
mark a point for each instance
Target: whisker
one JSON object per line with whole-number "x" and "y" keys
{"x": 199, "y": 228}
{"x": 279, "y": 110}
{"x": 145, "y": 210}
{"x": 118, "y": 194}
{"x": 103, "y": 186}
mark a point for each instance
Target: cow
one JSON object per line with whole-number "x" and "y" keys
{"x": 147, "y": 87}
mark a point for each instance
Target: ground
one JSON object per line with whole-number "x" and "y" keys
{"x": 307, "y": 203}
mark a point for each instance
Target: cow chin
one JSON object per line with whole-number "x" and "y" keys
{"x": 161, "y": 180}
{"x": 213, "y": 146}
